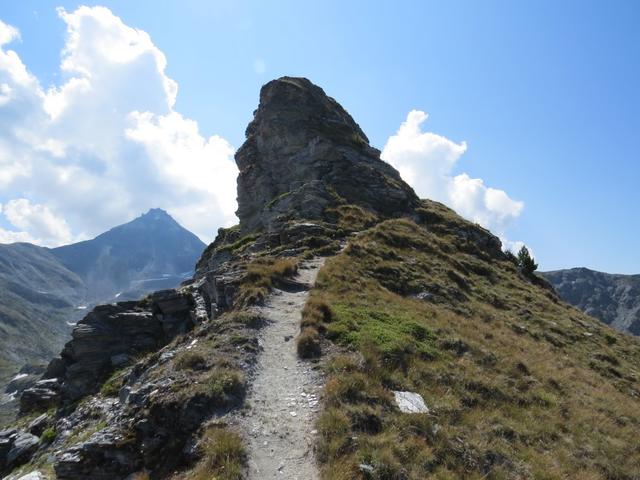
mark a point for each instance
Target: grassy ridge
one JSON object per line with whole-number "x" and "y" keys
{"x": 519, "y": 384}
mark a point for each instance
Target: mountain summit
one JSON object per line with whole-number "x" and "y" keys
{"x": 303, "y": 154}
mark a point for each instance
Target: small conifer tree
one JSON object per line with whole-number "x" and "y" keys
{"x": 526, "y": 262}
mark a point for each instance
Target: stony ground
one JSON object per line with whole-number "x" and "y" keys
{"x": 283, "y": 399}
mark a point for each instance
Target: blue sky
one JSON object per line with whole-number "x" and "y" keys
{"x": 545, "y": 94}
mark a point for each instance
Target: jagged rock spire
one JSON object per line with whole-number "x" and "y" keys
{"x": 303, "y": 154}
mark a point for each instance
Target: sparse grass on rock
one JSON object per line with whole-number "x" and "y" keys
{"x": 190, "y": 360}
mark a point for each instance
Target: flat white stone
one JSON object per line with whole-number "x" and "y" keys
{"x": 409, "y": 402}
{"x": 32, "y": 476}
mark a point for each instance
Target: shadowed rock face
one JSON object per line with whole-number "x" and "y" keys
{"x": 614, "y": 299}
{"x": 305, "y": 153}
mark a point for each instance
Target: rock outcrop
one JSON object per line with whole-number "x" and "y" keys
{"x": 109, "y": 338}
{"x": 303, "y": 154}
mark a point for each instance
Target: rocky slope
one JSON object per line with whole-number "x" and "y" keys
{"x": 412, "y": 299}
{"x": 614, "y": 299}
{"x": 38, "y": 295}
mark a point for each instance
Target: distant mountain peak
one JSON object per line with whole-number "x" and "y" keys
{"x": 150, "y": 246}
{"x": 156, "y": 213}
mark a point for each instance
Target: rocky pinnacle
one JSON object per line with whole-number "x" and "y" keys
{"x": 303, "y": 154}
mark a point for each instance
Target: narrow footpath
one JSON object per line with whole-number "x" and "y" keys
{"x": 283, "y": 398}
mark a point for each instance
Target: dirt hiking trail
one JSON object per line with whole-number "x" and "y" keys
{"x": 283, "y": 398}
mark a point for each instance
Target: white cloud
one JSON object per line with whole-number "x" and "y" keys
{"x": 427, "y": 160}
{"x": 36, "y": 222}
{"x": 8, "y": 33}
{"x": 106, "y": 143}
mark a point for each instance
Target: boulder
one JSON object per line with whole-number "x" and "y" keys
{"x": 25, "y": 378}
{"x": 106, "y": 339}
{"x": 38, "y": 425}
{"x": 42, "y": 396}
{"x": 24, "y": 445}
{"x": 106, "y": 455}
{"x": 33, "y": 476}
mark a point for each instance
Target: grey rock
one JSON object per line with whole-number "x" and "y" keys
{"x": 410, "y": 402}
{"x": 33, "y": 476}
{"x": 106, "y": 339}
{"x": 38, "y": 425}
{"x": 42, "y": 396}
{"x": 26, "y": 378}
{"x": 106, "y": 455}
{"x": 120, "y": 360}
{"x": 23, "y": 446}
{"x": 304, "y": 153}
{"x": 366, "y": 468}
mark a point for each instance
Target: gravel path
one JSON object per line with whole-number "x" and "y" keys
{"x": 283, "y": 398}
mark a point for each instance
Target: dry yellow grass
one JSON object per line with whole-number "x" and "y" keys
{"x": 223, "y": 456}
{"x": 261, "y": 276}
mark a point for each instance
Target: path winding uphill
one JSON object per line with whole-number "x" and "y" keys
{"x": 283, "y": 399}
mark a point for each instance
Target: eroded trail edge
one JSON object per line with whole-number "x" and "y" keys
{"x": 283, "y": 397}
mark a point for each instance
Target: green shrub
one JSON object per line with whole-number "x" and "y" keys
{"x": 112, "y": 386}
{"x": 222, "y": 385}
{"x": 49, "y": 435}
{"x": 189, "y": 360}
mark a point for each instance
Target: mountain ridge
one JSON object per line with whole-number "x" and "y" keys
{"x": 612, "y": 298}
{"x": 411, "y": 299}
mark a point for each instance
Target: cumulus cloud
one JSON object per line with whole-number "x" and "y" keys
{"x": 105, "y": 144}
{"x": 426, "y": 161}
{"x": 45, "y": 227}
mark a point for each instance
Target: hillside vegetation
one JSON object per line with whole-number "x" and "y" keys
{"x": 519, "y": 384}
